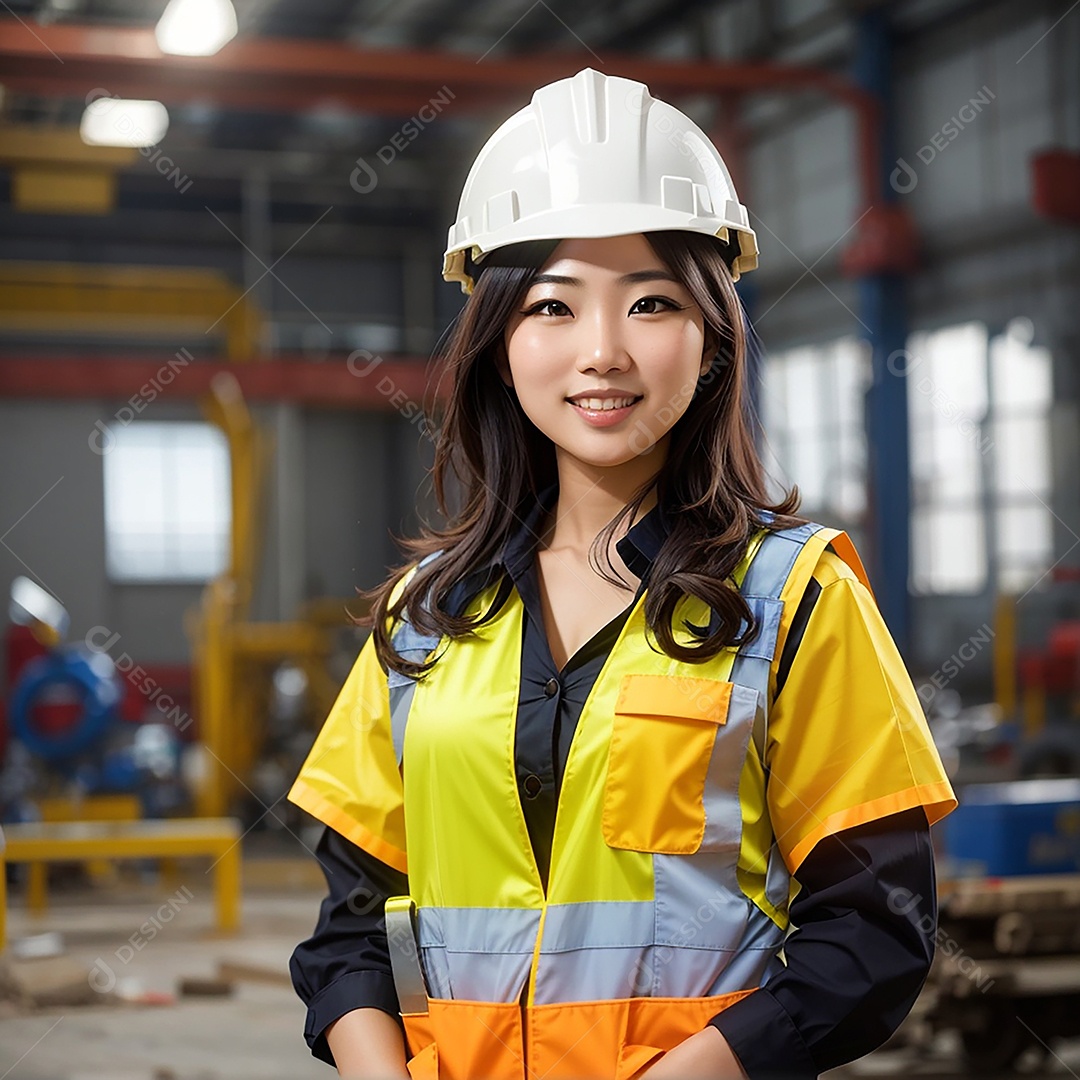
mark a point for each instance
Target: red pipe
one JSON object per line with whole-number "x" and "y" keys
{"x": 290, "y": 75}
{"x": 361, "y": 382}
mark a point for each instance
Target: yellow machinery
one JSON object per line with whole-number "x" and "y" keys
{"x": 143, "y": 301}
{"x": 54, "y": 172}
{"x": 231, "y": 653}
{"x": 219, "y": 838}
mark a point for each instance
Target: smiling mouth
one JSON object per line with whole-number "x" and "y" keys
{"x": 605, "y": 404}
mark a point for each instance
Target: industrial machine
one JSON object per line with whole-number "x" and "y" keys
{"x": 1006, "y": 973}
{"x": 68, "y": 738}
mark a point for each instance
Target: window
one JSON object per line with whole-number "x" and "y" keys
{"x": 1021, "y": 390}
{"x": 167, "y": 502}
{"x": 947, "y": 410}
{"x": 980, "y": 442}
{"x": 812, "y": 406}
{"x": 978, "y": 415}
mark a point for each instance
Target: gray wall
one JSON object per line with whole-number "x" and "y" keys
{"x": 339, "y": 479}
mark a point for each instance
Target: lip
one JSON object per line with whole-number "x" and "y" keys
{"x": 605, "y": 417}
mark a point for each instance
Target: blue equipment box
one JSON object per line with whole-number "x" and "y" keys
{"x": 1019, "y": 827}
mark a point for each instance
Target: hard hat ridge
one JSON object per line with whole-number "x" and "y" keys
{"x": 595, "y": 155}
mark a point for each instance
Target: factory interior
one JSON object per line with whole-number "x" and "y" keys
{"x": 222, "y": 229}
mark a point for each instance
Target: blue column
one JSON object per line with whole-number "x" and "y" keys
{"x": 882, "y": 307}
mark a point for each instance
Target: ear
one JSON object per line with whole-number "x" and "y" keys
{"x": 712, "y": 345}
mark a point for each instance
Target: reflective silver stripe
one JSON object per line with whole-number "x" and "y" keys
{"x": 688, "y": 972}
{"x": 599, "y": 924}
{"x": 410, "y": 644}
{"x": 723, "y": 811}
{"x": 755, "y": 962}
{"x": 404, "y": 954}
{"x": 761, "y": 587}
{"x": 590, "y": 951}
{"x": 767, "y": 613}
{"x": 400, "y": 704}
{"x": 775, "y": 557}
{"x": 710, "y": 938}
{"x": 477, "y": 954}
{"x": 696, "y": 939}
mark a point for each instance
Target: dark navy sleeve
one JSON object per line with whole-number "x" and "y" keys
{"x": 865, "y": 916}
{"x": 345, "y": 964}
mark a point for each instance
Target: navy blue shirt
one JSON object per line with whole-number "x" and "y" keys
{"x": 854, "y": 965}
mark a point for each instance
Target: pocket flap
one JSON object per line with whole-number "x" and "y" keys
{"x": 425, "y": 1065}
{"x": 674, "y": 695}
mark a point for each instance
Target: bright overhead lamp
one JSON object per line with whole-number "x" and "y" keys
{"x": 195, "y": 27}
{"x": 110, "y": 121}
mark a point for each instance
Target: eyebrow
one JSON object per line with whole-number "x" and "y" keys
{"x": 633, "y": 278}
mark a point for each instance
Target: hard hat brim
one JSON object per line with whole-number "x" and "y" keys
{"x": 594, "y": 222}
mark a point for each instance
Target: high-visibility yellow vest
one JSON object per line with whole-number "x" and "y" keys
{"x": 667, "y": 892}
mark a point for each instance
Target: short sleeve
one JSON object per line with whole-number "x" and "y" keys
{"x": 847, "y": 739}
{"x": 351, "y": 780}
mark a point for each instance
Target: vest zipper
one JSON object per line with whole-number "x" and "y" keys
{"x": 530, "y": 989}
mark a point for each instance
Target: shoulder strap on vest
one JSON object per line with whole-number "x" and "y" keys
{"x": 773, "y": 586}
{"x": 415, "y": 647}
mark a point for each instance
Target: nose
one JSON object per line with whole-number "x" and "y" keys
{"x": 602, "y": 347}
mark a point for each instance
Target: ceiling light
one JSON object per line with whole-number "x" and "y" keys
{"x": 110, "y": 121}
{"x": 195, "y": 27}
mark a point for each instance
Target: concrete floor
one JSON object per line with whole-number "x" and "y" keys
{"x": 257, "y": 1034}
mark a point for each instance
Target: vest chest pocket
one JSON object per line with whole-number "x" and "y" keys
{"x": 662, "y": 739}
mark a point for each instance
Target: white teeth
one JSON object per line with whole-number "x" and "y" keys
{"x": 604, "y": 404}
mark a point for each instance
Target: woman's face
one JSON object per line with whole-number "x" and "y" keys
{"x": 604, "y": 324}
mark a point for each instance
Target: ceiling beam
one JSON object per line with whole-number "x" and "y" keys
{"x": 294, "y": 75}
{"x": 381, "y": 81}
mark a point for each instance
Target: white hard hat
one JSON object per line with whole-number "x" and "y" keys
{"x": 595, "y": 155}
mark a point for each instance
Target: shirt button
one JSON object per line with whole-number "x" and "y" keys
{"x": 551, "y": 687}
{"x": 532, "y": 785}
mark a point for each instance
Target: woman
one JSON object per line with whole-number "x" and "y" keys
{"x": 624, "y": 721}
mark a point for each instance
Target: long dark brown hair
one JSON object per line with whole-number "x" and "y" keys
{"x": 712, "y": 482}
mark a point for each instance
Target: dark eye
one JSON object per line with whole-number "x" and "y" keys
{"x": 668, "y": 305}
{"x": 538, "y": 309}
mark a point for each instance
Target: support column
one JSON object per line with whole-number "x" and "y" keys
{"x": 882, "y": 305}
